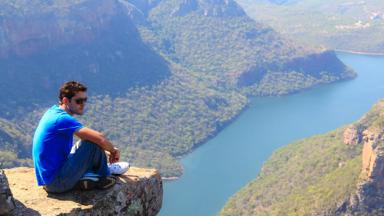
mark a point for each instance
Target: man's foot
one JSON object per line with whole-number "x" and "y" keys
{"x": 118, "y": 168}
{"x": 87, "y": 183}
{"x": 106, "y": 182}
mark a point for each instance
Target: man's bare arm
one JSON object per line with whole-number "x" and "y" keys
{"x": 99, "y": 139}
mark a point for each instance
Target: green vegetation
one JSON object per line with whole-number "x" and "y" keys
{"x": 65, "y": 40}
{"x": 10, "y": 159}
{"x": 303, "y": 178}
{"x": 219, "y": 45}
{"x": 157, "y": 124}
{"x": 342, "y": 24}
{"x": 154, "y": 126}
{"x": 313, "y": 176}
{"x": 162, "y": 83}
{"x": 12, "y": 139}
{"x": 235, "y": 50}
{"x": 13, "y": 148}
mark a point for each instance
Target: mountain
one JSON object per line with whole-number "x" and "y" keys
{"x": 163, "y": 76}
{"x": 240, "y": 52}
{"x": 338, "y": 173}
{"x": 344, "y": 25}
{"x": 44, "y": 43}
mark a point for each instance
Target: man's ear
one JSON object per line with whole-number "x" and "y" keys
{"x": 65, "y": 100}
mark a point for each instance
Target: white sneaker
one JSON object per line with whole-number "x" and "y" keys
{"x": 118, "y": 168}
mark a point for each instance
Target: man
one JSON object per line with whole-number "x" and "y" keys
{"x": 60, "y": 165}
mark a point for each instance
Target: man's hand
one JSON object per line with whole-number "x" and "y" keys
{"x": 100, "y": 140}
{"x": 114, "y": 156}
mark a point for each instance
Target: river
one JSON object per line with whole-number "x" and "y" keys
{"x": 227, "y": 162}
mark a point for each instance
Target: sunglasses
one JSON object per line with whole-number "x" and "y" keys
{"x": 80, "y": 101}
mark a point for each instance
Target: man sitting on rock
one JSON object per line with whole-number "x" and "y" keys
{"x": 61, "y": 166}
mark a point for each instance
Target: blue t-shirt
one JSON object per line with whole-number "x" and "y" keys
{"x": 52, "y": 143}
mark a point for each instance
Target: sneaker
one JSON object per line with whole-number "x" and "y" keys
{"x": 90, "y": 175}
{"x": 118, "y": 168}
{"x": 90, "y": 183}
{"x": 106, "y": 182}
{"x": 87, "y": 183}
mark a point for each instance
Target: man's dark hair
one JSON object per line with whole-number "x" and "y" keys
{"x": 69, "y": 89}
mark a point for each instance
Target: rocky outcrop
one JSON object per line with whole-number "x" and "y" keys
{"x": 92, "y": 41}
{"x": 209, "y": 8}
{"x": 370, "y": 192}
{"x": 7, "y": 204}
{"x": 32, "y": 32}
{"x": 138, "y": 192}
{"x": 370, "y": 155}
{"x": 353, "y": 135}
{"x": 369, "y": 196}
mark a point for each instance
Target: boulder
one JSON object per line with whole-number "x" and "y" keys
{"x": 137, "y": 192}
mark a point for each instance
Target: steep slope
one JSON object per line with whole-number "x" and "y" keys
{"x": 322, "y": 175}
{"x": 153, "y": 126}
{"x": 14, "y": 150}
{"x": 44, "y": 43}
{"x": 217, "y": 38}
{"x": 339, "y": 24}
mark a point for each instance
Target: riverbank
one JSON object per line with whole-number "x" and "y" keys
{"x": 225, "y": 124}
{"x": 234, "y": 157}
{"x": 359, "y": 52}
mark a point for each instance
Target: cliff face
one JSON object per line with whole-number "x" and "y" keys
{"x": 138, "y": 192}
{"x": 26, "y": 34}
{"x": 44, "y": 43}
{"x": 369, "y": 133}
{"x": 369, "y": 197}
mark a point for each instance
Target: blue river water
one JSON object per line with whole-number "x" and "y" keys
{"x": 227, "y": 162}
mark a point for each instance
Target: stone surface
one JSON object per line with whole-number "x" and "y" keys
{"x": 352, "y": 135}
{"x": 369, "y": 197}
{"x": 7, "y": 204}
{"x": 137, "y": 192}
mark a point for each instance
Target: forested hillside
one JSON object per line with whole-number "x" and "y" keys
{"x": 14, "y": 149}
{"x": 43, "y": 43}
{"x": 164, "y": 76}
{"x": 351, "y": 25}
{"x": 338, "y": 173}
{"x": 217, "y": 38}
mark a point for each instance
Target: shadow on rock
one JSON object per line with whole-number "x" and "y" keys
{"x": 22, "y": 210}
{"x": 81, "y": 197}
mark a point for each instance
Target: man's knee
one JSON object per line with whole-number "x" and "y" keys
{"x": 85, "y": 145}
{"x": 88, "y": 144}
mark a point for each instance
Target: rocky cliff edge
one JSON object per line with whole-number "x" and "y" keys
{"x": 138, "y": 192}
{"x": 369, "y": 132}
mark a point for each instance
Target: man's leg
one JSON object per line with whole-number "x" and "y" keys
{"x": 85, "y": 157}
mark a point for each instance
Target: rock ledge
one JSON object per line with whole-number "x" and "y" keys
{"x": 138, "y": 192}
